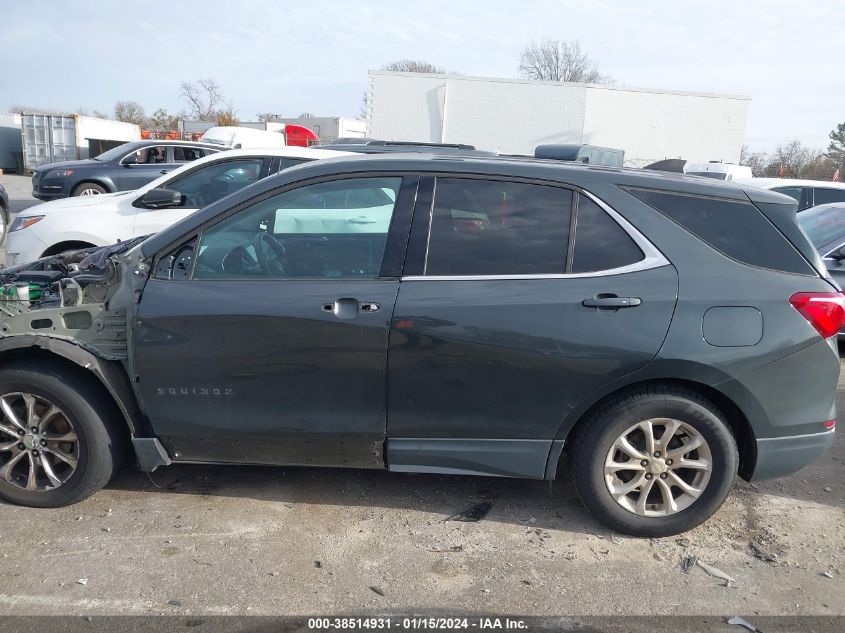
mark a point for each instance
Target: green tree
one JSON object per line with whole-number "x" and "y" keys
{"x": 836, "y": 148}
{"x": 162, "y": 121}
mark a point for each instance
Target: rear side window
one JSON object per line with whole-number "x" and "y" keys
{"x": 488, "y": 227}
{"x": 737, "y": 229}
{"x": 824, "y": 196}
{"x": 600, "y": 243}
{"x": 186, "y": 154}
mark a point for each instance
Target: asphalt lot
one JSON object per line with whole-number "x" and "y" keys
{"x": 264, "y": 541}
{"x": 207, "y": 540}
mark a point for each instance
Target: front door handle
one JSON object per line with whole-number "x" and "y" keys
{"x": 348, "y": 308}
{"x": 611, "y": 302}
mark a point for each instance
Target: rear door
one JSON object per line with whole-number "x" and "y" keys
{"x": 517, "y": 301}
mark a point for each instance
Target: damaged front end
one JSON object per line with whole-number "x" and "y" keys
{"x": 80, "y": 296}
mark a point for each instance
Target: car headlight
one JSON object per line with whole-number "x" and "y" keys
{"x": 22, "y": 222}
{"x": 59, "y": 173}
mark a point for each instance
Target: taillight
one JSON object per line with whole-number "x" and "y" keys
{"x": 830, "y": 425}
{"x": 825, "y": 311}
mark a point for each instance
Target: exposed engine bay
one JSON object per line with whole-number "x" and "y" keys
{"x": 79, "y": 295}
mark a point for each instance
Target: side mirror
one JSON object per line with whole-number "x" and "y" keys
{"x": 132, "y": 159}
{"x": 161, "y": 199}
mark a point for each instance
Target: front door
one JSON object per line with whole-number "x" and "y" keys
{"x": 512, "y": 311}
{"x": 144, "y": 165}
{"x": 264, "y": 339}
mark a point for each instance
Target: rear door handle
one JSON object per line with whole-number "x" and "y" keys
{"x": 611, "y": 302}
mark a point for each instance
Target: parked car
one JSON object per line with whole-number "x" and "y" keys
{"x": 122, "y": 168}
{"x": 808, "y": 193}
{"x": 825, "y": 226}
{"x": 423, "y": 313}
{"x": 4, "y": 213}
{"x": 62, "y": 225}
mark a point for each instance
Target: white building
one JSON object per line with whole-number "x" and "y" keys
{"x": 514, "y": 116}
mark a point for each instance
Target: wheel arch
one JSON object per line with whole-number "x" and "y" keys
{"x": 736, "y": 418}
{"x": 105, "y": 183}
{"x": 109, "y": 373}
{"x": 66, "y": 245}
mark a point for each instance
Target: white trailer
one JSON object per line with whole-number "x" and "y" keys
{"x": 49, "y": 138}
{"x": 514, "y": 116}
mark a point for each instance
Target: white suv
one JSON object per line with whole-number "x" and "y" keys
{"x": 73, "y": 223}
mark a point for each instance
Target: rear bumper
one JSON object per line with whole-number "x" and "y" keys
{"x": 781, "y": 456}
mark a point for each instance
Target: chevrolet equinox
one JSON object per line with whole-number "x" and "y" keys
{"x": 655, "y": 334}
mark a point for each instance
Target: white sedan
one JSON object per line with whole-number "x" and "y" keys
{"x": 73, "y": 223}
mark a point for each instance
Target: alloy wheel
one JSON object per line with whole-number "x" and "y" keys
{"x": 89, "y": 192}
{"x": 658, "y": 467}
{"x": 39, "y": 448}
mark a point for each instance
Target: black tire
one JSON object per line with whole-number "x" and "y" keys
{"x": 92, "y": 188}
{"x": 93, "y": 417}
{"x": 4, "y": 229}
{"x": 612, "y": 418}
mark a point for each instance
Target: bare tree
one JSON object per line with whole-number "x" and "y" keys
{"x": 413, "y": 66}
{"x": 264, "y": 117}
{"x": 558, "y": 60}
{"x": 130, "y": 112}
{"x": 756, "y": 160}
{"x": 204, "y": 99}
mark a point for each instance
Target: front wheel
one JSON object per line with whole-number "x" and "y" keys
{"x": 58, "y": 438}
{"x": 654, "y": 462}
{"x": 88, "y": 189}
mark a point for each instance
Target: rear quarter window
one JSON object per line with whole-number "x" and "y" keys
{"x": 733, "y": 227}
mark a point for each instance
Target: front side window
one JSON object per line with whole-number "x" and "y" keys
{"x": 211, "y": 182}
{"x": 152, "y": 155}
{"x": 329, "y": 230}
{"x": 488, "y": 227}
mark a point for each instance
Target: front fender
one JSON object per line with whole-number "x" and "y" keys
{"x": 110, "y": 373}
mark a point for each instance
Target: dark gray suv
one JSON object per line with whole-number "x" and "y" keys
{"x": 655, "y": 334}
{"x": 122, "y": 168}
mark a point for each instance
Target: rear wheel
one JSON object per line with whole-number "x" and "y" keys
{"x": 654, "y": 462}
{"x": 88, "y": 189}
{"x": 58, "y": 439}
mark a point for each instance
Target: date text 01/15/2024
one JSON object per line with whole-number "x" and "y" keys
{"x": 411, "y": 623}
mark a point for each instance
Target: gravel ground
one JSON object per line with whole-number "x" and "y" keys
{"x": 238, "y": 540}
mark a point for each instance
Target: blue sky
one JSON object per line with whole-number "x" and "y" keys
{"x": 289, "y": 57}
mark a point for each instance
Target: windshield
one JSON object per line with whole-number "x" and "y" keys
{"x": 115, "y": 152}
{"x": 215, "y": 141}
{"x": 708, "y": 174}
{"x": 823, "y": 225}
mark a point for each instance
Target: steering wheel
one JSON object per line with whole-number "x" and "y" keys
{"x": 270, "y": 254}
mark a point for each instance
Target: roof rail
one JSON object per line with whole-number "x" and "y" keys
{"x": 421, "y": 144}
